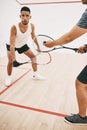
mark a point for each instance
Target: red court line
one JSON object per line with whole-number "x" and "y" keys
{"x": 14, "y": 82}
{"x": 36, "y": 3}
{"x": 33, "y": 109}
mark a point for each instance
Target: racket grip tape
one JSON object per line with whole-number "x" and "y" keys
{"x": 44, "y": 42}
{"x": 16, "y": 64}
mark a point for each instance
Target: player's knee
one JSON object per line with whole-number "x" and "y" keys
{"x": 33, "y": 58}
{"x": 10, "y": 62}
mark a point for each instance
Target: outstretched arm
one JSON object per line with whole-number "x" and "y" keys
{"x": 73, "y": 34}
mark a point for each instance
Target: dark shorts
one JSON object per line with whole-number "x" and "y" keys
{"x": 19, "y": 50}
{"x": 82, "y": 77}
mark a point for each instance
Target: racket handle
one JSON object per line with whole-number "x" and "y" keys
{"x": 16, "y": 64}
{"x": 75, "y": 49}
{"x": 44, "y": 42}
{"x": 85, "y": 51}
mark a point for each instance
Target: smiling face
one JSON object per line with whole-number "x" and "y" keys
{"x": 84, "y": 1}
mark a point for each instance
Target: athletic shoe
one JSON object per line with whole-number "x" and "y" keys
{"x": 76, "y": 119}
{"x": 76, "y": 114}
{"x": 38, "y": 77}
{"x": 8, "y": 81}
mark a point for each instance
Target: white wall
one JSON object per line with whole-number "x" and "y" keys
{"x": 50, "y": 19}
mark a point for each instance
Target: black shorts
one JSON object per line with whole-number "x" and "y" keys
{"x": 82, "y": 77}
{"x": 19, "y": 50}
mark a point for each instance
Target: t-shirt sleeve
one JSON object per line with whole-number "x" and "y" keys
{"x": 82, "y": 23}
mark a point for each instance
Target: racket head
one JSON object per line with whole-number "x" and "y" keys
{"x": 42, "y": 58}
{"x": 42, "y": 39}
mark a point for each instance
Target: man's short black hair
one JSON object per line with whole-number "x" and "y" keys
{"x": 25, "y": 9}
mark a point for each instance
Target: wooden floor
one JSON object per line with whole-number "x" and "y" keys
{"x": 41, "y": 105}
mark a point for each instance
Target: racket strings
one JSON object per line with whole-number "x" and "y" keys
{"x": 42, "y": 39}
{"x": 41, "y": 59}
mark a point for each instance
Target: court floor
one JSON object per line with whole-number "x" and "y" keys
{"x": 29, "y": 104}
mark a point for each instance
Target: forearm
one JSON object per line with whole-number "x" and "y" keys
{"x": 36, "y": 42}
{"x": 73, "y": 34}
{"x": 12, "y": 51}
{"x": 66, "y": 38}
{"x": 12, "y": 42}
